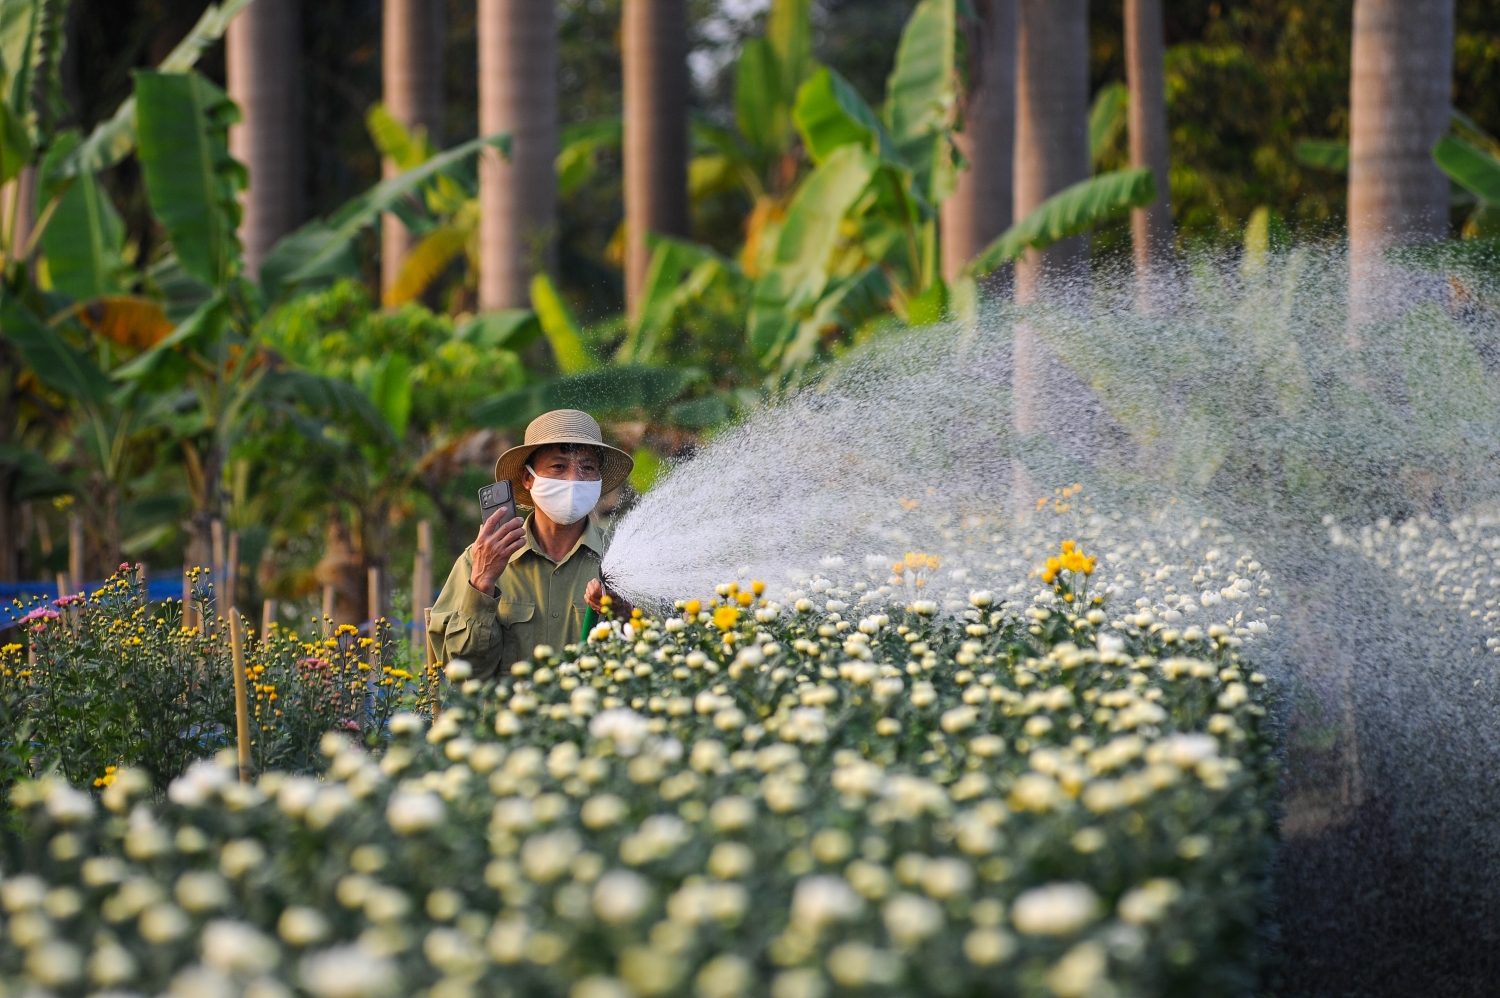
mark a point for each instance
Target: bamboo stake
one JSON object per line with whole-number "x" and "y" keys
{"x": 373, "y": 578}
{"x": 216, "y": 529}
{"x": 75, "y": 552}
{"x": 327, "y": 611}
{"x": 241, "y": 694}
{"x": 187, "y": 596}
{"x": 62, "y": 585}
{"x": 421, "y": 588}
{"x": 232, "y": 571}
{"x": 267, "y": 618}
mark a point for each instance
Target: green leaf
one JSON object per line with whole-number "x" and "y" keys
{"x": 512, "y": 329}
{"x": 15, "y": 144}
{"x": 1323, "y": 154}
{"x": 831, "y": 114}
{"x": 37, "y": 479}
{"x": 112, "y": 140}
{"x": 1107, "y": 119}
{"x": 405, "y": 147}
{"x": 609, "y": 390}
{"x": 920, "y": 91}
{"x": 1473, "y": 169}
{"x": 55, "y": 364}
{"x": 809, "y": 234}
{"x": 83, "y": 242}
{"x": 1070, "y": 212}
{"x": 699, "y": 414}
{"x": 331, "y": 399}
{"x": 760, "y": 109}
{"x": 191, "y": 181}
{"x": 789, "y": 32}
{"x": 847, "y": 305}
{"x": 1265, "y": 234}
{"x": 18, "y": 32}
{"x": 321, "y": 251}
{"x": 648, "y": 467}
{"x": 203, "y": 321}
{"x": 580, "y": 144}
{"x": 671, "y": 259}
{"x": 560, "y": 328}
{"x": 426, "y": 262}
{"x": 390, "y": 391}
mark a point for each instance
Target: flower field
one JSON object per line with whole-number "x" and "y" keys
{"x": 1047, "y": 792}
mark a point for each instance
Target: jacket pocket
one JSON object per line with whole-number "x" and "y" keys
{"x": 514, "y": 611}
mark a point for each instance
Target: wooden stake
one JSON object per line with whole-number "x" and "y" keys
{"x": 373, "y": 577}
{"x": 267, "y": 618}
{"x": 241, "y": 694}
{"x": 421, "y": 588}
{"x": 76, "y": 575}
{"x": 327, "y": 611}
{"x": 232, "y": 571}
{"x": 62, "y": 585}
{"x": 216, "y": 529}
{"x": 187, "y": 596}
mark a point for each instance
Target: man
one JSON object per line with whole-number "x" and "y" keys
{"x": 524, "y": 583}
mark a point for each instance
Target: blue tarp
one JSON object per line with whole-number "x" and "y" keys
{"x": 158, "y": 588}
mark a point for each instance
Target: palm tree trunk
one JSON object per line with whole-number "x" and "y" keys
{"x": 1398, "y": 109}
{"x": 413, "y": 93}
{"x": 656, "y": 132}
{"x": 263, "y": 58}
{"x": 1052, "y": 153}
{"x": 1151, "y": 226}
{"x": 518, "y": 196}
{"x": 980, "y": 208}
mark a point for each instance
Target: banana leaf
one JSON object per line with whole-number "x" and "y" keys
{"x": 1473, "y": 169}
{"x": 191, "y": 180}
{"x": 56, "y": 364}
{"x": 789, "y": 32}
{"x": 809, "y": 234}
{"x": 1323, "y": 154}
{"x": 1068, "y": 213}
{"x": 324, "y": 250}
{"x": 405, "y": 147}
{"x": 113, "y": 140}
{"x": 390, "y": 391}
{"x": 37, "y": 479}
{"x": 1107, "y": 118}
{"x": 512, "y": 329}
{"x": 608, "y": 390}
{"x": 831, "y": 114}
{"x": 920, "y": 92}
{"x": 83, "y": 242}
{"x": 560, "y": 328}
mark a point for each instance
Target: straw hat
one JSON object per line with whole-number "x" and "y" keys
{"x": 562, "y": 426}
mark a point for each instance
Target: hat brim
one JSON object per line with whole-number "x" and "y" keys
{"x": 617, "y": 465}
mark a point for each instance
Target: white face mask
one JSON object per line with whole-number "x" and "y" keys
{"x": 562, "y": 500}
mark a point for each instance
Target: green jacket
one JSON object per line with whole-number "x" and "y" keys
{"x": 540, "y": 602}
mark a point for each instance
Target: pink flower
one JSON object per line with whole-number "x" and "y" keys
{"x": 40, "y": 613}
{"x": 65, "y": 601}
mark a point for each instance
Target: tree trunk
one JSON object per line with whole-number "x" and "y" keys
{"x": 1052, "y": 141}
{"x": 1400, "y": 90}
{"x": 413, "y": 94}
{"x": 517, "y": 197}
{"x": 1052, "y": 153}
{"x": 980, "y": 209}
{"x": 656, "y": 131}
{"x": 263, "y": 57}
{"x": 1151, "y": 227}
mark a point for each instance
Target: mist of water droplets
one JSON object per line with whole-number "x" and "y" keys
{"x": 1359, "y": 463}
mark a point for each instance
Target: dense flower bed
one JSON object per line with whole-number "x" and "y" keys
{"x": 1038, "y": 796}
{"x": 108, "y": 680}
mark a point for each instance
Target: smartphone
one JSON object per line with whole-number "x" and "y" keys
{"x": 496, "y": 496}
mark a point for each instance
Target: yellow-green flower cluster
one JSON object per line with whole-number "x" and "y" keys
{"x": 1022, "y": 797}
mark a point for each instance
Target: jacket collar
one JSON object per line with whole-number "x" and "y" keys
{"x": 593, "y": 539}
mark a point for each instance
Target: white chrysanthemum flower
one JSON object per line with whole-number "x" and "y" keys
{"x": 546, "y": 857}
{"x": 1056, "y": 909}
{"x": 235, "y": 947}
{"x": 349, "y": 972}
{"x": 910, "y": 918}
{"x": 54, "y": 963}
{"x": 409, "y": 813}
{"x": 202, "y": 890}
{"x": 302, "y": 926}
{"x": 820, "y": 900}
{"x": 201, "y": 781}
{"x": 1149, "y": 902}
{"x": 620, "y": 897}
{"x": 627, "y": 729}
{"x": 725, "y": 976}
{"x": 989, "y": 946}
{"x": 162, "y": 923}
{"x": 1079, "y": 972}
{"x": 730, "y": 814}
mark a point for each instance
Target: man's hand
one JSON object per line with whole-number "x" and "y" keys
{"x": 493, "y": 548}
{"x": 595, "y": 594}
